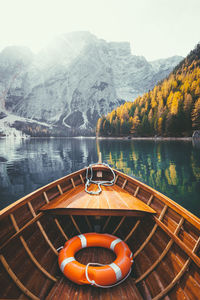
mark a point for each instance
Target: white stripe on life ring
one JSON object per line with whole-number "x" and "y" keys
{"x": 65, "y": 262}
{"x": 83, "y": 240}
{"x": 117, "y": 271}
{"x": 114, "y": 243}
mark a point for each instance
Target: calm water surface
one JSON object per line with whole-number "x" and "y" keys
{"x": 171, "y": 167}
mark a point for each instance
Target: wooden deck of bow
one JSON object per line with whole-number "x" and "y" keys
{"x": 113, "y": 200}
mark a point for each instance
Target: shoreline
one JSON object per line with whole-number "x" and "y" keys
{"x": 147, "y": 138}
{"x": 107, "y": 138}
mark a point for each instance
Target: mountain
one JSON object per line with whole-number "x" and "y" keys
{"x": 73, "y": 81}
{"x": 171, "y": 108}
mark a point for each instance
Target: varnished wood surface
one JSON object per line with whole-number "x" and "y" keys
{"x": 166, "y": 246}
{"x": 13, "y": 206}
{"x": 170, "y": 203}
{"x": 112, "y": 198}
{"x": 65, "y": 289}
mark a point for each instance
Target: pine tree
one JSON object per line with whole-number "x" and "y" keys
{"x": 170, "y": 109}
{"x": 160, "y": 123}
{"x": 177, "y": 97}
{"x": 196, "y": 115}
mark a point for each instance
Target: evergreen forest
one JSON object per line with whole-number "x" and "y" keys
{"x": 171, "y": 109}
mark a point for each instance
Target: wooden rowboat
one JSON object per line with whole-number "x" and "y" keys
{"x": 163, "y": 236}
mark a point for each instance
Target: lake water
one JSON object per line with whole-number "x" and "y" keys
{"x": 171, "y": 167}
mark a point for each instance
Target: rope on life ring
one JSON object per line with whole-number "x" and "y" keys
{"x": 104, "y": 276}
{"x": 104, "y": 286}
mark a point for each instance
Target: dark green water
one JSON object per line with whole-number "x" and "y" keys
{"x": 171, "y": 167}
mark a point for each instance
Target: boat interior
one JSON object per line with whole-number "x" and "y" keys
{"x": 163, "y": 236}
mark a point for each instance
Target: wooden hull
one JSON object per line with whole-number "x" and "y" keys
{"x": 165, "y": 245}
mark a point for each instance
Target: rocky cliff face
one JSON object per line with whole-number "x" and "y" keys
{"x": 77, "y": 78}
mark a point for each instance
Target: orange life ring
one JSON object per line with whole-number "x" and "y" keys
{"x": 105, "y": 275}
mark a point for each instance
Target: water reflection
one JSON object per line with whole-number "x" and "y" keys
{"x": 26, "y": 165}
{"x": 172, "y": 168}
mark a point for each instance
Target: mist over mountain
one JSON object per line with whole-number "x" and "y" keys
{"x": 67, "y": 86}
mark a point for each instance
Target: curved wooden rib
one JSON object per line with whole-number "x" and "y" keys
{"x": 132, "y": 230}
{"x": 153, "y": 266}
{"x": 42, "y": 229}
{"x": 179, "y": 275}
{"x": 16, "y": 280}
{"x": 136, "y": 191}
{"x": 116, "y": 177}
{"x": 81, "y": 177}
{"x": 146, "y": 241}
{"x": 174, "y": 281}
{"x": 125, "y": 181}
{"x": 60, "y": 191}
{"x": 179, "y": 242}
{"x": 150, "y": 200}
{"x": 34, "y": 260}
{"x": 61, "y": 229}
{"x": 45, "y": 197}
{"x": 46, "y": 238}
{"x": 151, "y": 233}
{"x": 75, "y": 224}
{"x": 163, "y": 212}
{"x": 88, "y": 223}
{"x": 72, "y": 181}
{"x": 118, "y": 226}
{"x": 55, "y": 219}
{"x": 106, "y": 224}
{"x": 32, "y": 221}
{"x": 30, "y": 254}
{"x": 138, "y": 222}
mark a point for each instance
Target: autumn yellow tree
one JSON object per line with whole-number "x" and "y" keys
{"x": 171, "y": 108}
{"x": 135, "y": 124}
{"x": 196, "y": 115}
{"x": 177, "y": 97}
{"x": 160, "y": 123}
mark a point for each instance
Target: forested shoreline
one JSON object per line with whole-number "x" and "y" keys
{"x": 171, "y": 109}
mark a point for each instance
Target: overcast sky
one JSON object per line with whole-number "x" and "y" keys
{"x": 155, "y": 28}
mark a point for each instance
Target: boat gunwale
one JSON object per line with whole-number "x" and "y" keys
{"x": 20, "y": 202}
{"x": 194, "y": 220}
{"x": 166, "y": 200}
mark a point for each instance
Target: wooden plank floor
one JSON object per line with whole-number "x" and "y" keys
{"x": 65, "y": 289}
{"x": 111, "y": 198}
